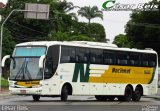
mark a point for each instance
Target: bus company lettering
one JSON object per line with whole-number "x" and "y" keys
{"x": 147, "y": 72}
{"x": 32, "y": 82}
{"x": 27, "y": 84}
{"x": 80, "y": 72}
{"x": 120, "y": 70}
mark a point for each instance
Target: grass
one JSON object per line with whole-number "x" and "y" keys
{"x": 4, "y": 83}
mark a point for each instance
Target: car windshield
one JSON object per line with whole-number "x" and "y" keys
{"x": 25, "y": 69}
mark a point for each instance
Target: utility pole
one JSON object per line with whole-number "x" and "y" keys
{"x": 38, "y": 11}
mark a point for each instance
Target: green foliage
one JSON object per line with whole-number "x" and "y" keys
{"x": 61, "y": 22}
{"x": 61, "y": 36}
{"x": 8, "y": 43}
{"x": 94, "y": 31}
{"x": 97, "y": 32}
{"x": 90, "y": 12}
{"x": 31, "y": 30}
{"x": 80, "y": 38}
{"x": 61, "y": 26}
{"x": 4, "y": 83}
{"x": 143, "y": 30}
{"x": 121, "y": 40}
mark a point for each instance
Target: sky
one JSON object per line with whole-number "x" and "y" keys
{"x": 4, "y": 1}
{"x": 114, "y": 21}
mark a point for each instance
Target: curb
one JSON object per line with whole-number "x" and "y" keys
{"x": 4, "y": 93}
{"x": 154, "y": 97}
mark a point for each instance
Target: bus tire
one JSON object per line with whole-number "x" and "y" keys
{"x": 100, "y": 98}
{"x": 127, "y": 94}
{"x": 36, "y": 97}
{"x": 137, "y": 94}
{"x": 64, "y": 93}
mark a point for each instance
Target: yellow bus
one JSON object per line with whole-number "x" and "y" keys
{"x": 53, "y": 68}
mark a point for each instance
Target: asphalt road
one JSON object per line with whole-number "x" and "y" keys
{"x": 75, "y": 103}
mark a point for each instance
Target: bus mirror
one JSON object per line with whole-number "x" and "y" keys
{"x": 41, "y": 61}
{"x": 4, "y": 60}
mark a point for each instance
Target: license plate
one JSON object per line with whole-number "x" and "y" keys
{"x": 23, "y": 91}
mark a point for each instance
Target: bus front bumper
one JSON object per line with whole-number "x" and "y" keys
{"x": 25, "y": 91}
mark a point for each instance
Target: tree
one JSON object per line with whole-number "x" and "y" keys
{"x": 31, "y": 30}
{"x": 94, "y": 31}
{"x": 8, "y": 43}
{"x": 121, "y": 40}
{"x": 62, "y": 25}
{"x": 8, "y": 46}
{"x": 97, "y": 32}
{"x": 90, "y": 12}
{"x": 65, "y": 36}
{"x": 143, "y": 30}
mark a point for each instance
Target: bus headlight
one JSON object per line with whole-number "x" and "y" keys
{"x": 36, "y": 86}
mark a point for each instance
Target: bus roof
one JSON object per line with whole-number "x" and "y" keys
{"x": 85, "y": 44}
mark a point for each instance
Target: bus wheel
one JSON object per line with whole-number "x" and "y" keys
{"x": 111, "y": 98}
{"x": 127, "y": 95}
{"x": 100, "y": 98}
{"x": 64, "y": 93}
{"x": 137, "y": 94}
{"x": 36, "y": 97}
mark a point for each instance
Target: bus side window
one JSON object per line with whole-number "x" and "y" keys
{"x": 93, "y": 60}
{"x": 132, "y": 62}
{"x": 145, "y": 60}
{"x": 109, "y": 57}
{"x": 96, "y": 56}
{"x": 152, "y": 63}
{"x": 67, "y": 54}
{"x": 51, "y": 63}
{"x": 82, "y": 55}
{"x": 107, "y": 61}
{"x": 122, "y": 58}
{"x": 152, "y": 60}
{"x": 134, "y": 59}
{"x": 77, "y": 58}
{"x": 48, "y": 69}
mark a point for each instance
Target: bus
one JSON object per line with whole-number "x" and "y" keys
{"x": 60, "y": 69}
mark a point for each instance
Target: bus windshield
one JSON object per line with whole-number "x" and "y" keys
{"x": 24, "y": 64}
{"x": 25, "y": 69}
{"x": 29, "y": 51}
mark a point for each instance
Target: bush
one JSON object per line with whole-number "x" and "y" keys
{"x": 4, "y": 83}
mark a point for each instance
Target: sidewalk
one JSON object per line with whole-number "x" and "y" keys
{"x": 4, "y": 92}
{"x": 157, "y": 96}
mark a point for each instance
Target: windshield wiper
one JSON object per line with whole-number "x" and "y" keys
{"x": 27, "y": 72}
{"x": 23, "y": 70}
{"x": 20, "y": 71}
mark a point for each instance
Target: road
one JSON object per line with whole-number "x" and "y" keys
{"x": 78, "y": 103}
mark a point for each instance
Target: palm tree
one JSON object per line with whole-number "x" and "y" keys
{"x": 90, "y": 12}
{"x": 67, "y": 7}
{"x": 62, "y": 11}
